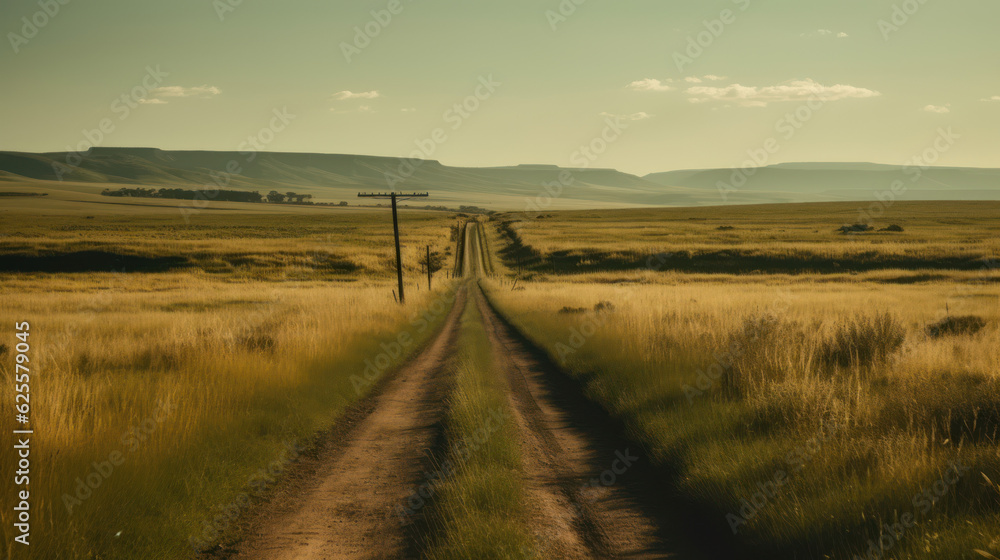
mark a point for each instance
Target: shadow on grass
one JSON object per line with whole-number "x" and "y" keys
{"x": 697, "y": 529}
{"x": 90, "y": 261}
{"x": 730, "y": 262}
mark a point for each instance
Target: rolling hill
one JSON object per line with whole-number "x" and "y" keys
{"x": 824, "y": 182}
{"x": 332, "y": 177}
{"x": 335, "y": 177}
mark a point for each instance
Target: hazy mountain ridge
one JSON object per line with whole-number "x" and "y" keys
{"x": 819, "y": 182}
{"x": 330, "y": 177}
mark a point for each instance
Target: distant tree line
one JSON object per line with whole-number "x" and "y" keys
{"x": 187, "y": 194}
{"x": 277, "y": 197}
{"x": 222, "y": 195}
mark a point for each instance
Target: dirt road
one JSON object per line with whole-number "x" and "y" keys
{"x": 581, "y": 507}
{"x": 347, "y": 509}
{"x": 584, "y": 482}
{"x": 581, "y": 494}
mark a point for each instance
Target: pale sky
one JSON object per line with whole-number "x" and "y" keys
{"x": 222, "y": 67}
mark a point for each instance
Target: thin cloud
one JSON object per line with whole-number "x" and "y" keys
{"x": 345, "y": 95}
{"x": 360, "y": 109}
{"x": 649, "y": 84}
{"x": 938, "y": 109}
{"x": 157, "y": 96}
{"x": 706, "y": 78}
{"x": 990, "y": 99}
{"x": 795, "y": 90}
{"x": 640, "y": 116}
{"x": 826, "y": 33}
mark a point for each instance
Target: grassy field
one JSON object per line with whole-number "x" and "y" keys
{"x": 804, "y": 415}
{"x": 310, "y": 244}
{"x": 806, "y": 393}
{"x": 167, "y": 399}
{"x": 790, "y": 238}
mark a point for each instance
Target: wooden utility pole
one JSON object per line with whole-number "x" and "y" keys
{"x": 428, "y": 268}
{"x": 395, "y": 229}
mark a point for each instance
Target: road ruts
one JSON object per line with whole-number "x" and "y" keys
{"x": 564, "y": 456}
{"x": 347, "y": 509}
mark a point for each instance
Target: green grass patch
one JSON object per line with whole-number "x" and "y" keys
{"x": 479, "y": 511}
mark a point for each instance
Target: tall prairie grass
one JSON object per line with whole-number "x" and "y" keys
{"x": 807, "y": 417}
{"x": 158, "y": 400}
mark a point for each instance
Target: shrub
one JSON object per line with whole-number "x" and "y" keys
{"x": 864, "y": 341}
{"x": 572, "y": 310}
{"x": 893, "y": 228}
{"x": 954, "y": 326}
{"x": 604, "y": 306}
{"x": 756, "y": 354}
{"x": 258, "y": 341}
{"x": 856, "y": 228}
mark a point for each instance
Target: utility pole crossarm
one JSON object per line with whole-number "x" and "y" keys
{"x": 394, "y": 196}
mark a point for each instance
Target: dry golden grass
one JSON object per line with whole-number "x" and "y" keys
{"x": 337, "y": 243}
{"x": 932, "y": 230}
{"x": 197, "y": 386}
{"x": 217, "y": 378}
{"x": 856, "y": 441}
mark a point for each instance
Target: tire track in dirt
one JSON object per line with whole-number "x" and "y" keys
{"x": 576, "y": 512}
{"x": 346, "y": 509}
